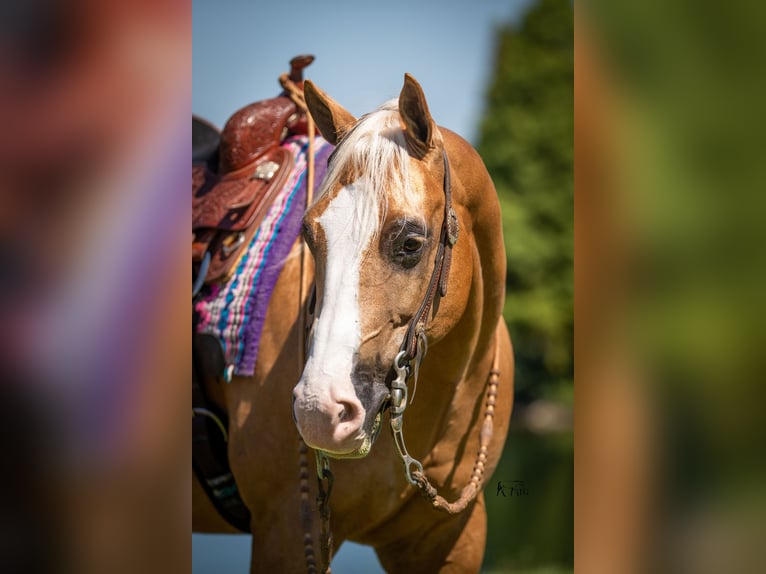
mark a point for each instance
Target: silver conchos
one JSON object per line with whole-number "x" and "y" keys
{"x": 265, "y": 171}
{"x": 453, "y": 228}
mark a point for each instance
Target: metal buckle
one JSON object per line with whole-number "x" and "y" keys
{"x": 399, "y": 386}
{"x": 323, "y": 464}
{"x": 229, "y": 248}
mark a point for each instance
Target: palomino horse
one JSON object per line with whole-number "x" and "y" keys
{"x": 407, "y": 242}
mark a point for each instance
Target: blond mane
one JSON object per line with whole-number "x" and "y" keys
{"x": 376, "y": 150}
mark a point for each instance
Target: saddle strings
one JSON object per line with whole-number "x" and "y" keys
{"x": 296, "y": 95}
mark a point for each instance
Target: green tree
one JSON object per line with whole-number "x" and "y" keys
{"x": 526, "y": 142}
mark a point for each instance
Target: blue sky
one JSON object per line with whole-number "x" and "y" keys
{"x": 362, "y": 52}
{"x": 240, "y": 47}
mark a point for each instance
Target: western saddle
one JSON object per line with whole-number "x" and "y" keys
{"x": 235, "y": 175}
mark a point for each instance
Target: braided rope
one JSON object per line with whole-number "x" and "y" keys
{"x": 475, "y": 484}
{"x": 306, "y": 511}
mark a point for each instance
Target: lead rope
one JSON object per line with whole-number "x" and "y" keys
{"x": 417, "y": 476}
{"x": 323, "y": 464}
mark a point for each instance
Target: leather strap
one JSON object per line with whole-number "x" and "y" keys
{"x": 440, "y": 273}
{"x": 210, "y": 461}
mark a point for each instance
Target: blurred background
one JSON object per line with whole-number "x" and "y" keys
{"x": 526, "y": 141}
{"x": 669, "y": 287}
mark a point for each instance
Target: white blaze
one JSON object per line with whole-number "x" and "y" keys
{"x": 337, "y": 331}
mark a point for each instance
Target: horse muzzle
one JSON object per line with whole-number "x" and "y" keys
{"x": 340, "y": 426}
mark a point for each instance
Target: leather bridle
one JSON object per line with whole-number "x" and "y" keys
{"x": 439, "y": 275}
{"x": 411, "y": 352}
{"x": 414, "y": 344}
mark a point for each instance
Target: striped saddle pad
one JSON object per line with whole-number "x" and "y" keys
{"x": 234, "y": 311}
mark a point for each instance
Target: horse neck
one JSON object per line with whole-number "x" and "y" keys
{"x": 476, "y": 199}
{"x": 462, "y": 358}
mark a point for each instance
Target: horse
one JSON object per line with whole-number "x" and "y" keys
{"x": 408, "y": 267}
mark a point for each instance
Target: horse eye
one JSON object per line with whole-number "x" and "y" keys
{"x": 412, "y": 245}
{"x": 408, "y": 253}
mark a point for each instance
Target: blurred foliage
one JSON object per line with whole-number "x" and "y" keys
{"x": 532, "y": 530}
{"x": 689, "y": 88}
{"x": 526, "y": 142}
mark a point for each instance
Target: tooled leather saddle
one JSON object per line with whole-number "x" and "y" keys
{"x": 235, "y": 175}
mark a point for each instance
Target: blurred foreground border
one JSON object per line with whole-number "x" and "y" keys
{"x": 94, "y": 106}
{"x": 95, "y": 99}
{"x": 669, "y": 279}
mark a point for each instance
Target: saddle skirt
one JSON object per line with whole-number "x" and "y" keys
{"x": 234, "y": 310}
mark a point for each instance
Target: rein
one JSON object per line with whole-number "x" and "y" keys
{"x": 290, "y": 84}
{"x": 417, "y": 476}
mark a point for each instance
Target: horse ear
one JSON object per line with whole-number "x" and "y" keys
{"x": 419, "y": 126}
{"x": 332, "y": 119}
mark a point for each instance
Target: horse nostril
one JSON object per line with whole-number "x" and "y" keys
{"x": 292, "y": 409}
{"x": 347, "y": 412}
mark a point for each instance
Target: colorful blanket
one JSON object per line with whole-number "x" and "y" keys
{"x": 235, "y": 311}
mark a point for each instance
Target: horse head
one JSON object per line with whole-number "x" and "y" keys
{"x": 377, "y": 234}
